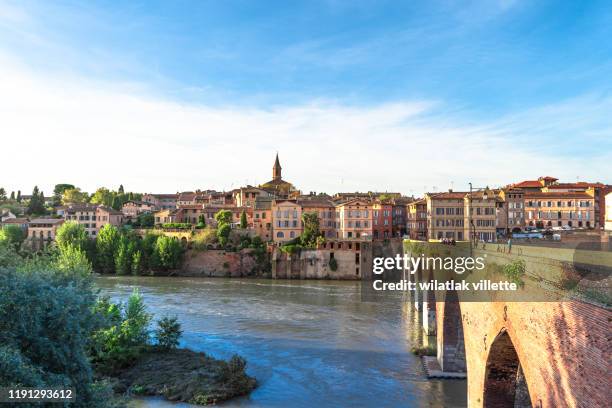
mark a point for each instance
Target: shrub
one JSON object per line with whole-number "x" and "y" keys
{"x": 223, "y": 232}
{"x": 515, "y": 271}
{"x": 176, "y": 225}
{"x": 12, "y": 234}
{"x": 168, "y": 332}
{"x": 46, "y": 322}
{"x": 124, "y": 334}
{"x": 204, "y": 238}
{"x": 333, "y": 264}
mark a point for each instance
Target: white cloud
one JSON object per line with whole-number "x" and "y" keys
{"x": 65, "y": 129}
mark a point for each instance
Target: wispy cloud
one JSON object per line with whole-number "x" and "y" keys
{"x": 61, "y": 129}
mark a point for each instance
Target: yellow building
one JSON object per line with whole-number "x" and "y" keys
{"x": 287, "y": 220}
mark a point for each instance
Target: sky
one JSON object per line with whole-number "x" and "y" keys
{"x": 353, "y": 95}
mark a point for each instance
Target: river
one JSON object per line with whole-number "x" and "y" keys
{"x": 308, "y": 343}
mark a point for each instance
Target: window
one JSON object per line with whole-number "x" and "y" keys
{"x": 280, "y": 234}
{"x": 292, "y": 234}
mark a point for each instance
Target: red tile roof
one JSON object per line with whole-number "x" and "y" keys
{"x": 528, "y": 184}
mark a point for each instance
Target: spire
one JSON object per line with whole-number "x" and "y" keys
{"x": 276, "y": 170}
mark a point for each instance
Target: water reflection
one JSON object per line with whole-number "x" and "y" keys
{"x": 309, "y": 343}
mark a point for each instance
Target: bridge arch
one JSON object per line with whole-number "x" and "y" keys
{"x": 504, "y": 383}
{"x": 451, "y": 345}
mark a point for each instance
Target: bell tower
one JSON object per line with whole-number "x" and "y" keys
{"x": 276, "y": 170}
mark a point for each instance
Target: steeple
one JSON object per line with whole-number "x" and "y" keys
{"x": 276, "y": 170}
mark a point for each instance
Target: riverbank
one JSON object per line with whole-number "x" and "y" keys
{"x": 182, "y": 375}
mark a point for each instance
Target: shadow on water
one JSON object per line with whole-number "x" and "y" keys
{"x": 308, "y": 343}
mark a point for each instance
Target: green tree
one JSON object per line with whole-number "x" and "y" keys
{"x": 311, "y": 231}
{"x": 243, "y": 220}
{"x": 74, "y": 196}
{"x": 58, "y": 191}
{"x": 146, "y": 220}
{"x": 201, "y": 222}
{"x": 223, "y": 217}
{"x": 102, "y": 196}
{"x": 47, "y": 322}
{"x": 106, "y": 247}
{"x": 72, "y": 233}
{"x": 12, "y": 235}
{"x": 73, "y": 260}
{"x": 168, "y": 332}
{"x": 168, "y": 252}
{"x": 12, "y": 196}
{"x": 223, "y": 233}
{"x": 116, "y": 203}
{"x": 37, "y": 202}
{"x": 18, "y": 196}
{"x": 136, "y": 263}
{"x": 2, "y": 194}
{"x": 124, "y": 255}
{"x": 121, "y": 191}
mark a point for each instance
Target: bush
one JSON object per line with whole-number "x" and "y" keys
{"x": 333, "y": 264}
{"x": 168, "y": 332}
{"x": 515, "y": 271}
{"x": 223, "y": 232}
{"x": 168, "y": 253}
{"x": 124, "y": 334}
{"x": 46, "y": 322}
{"x": 176, "y": 225}
{"x": 204, "y": 239}
{"x": 13, "y": 235}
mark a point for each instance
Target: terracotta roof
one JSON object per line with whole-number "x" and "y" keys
{"x": 554, "y": 194}
{"x": 314, "y": 202}
{"x": 454, "y": 195}
{"x": 528, "y": 184}
{"x": 579, "y": 184}
{"x": 15, "y": 221}
{"x": 47, "y": 221}
{"x": 187, "y": 196}
{"x": 110, "y": 210}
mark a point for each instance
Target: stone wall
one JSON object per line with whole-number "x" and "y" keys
{"x": 219, "y": 263}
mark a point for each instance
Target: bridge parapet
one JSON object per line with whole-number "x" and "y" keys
{"x": 523, "y": 353}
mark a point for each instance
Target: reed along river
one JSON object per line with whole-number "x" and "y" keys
{"x": 308, "y": 343}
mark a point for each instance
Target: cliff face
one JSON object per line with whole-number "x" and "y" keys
{"x": 219, "y": 263}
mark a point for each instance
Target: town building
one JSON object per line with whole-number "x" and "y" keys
{"x": 559, "y": 209}
{"x": 133, "y": 208}
{"x": 262, "y": 218}
{"x": 44, "y": 229}
{"x": 91, "y": 217}
{"x": 480, "y": 217}
{"x": 514, "y": 209}
{"x": 160, "y": 201}
{"x": 246, "y": 196}
{"x": 446, "y": 215}
{"x": 354, "y": 219}
{"x": 399, "y": 214}
{"x": 416, "y": 214}
{"x": 287, "y": 220}
{"x": 382, "y": 220}
{"x": 165, "y": 216}
{"x": 326, "y": 212}
{"x": 18, "y": 221}
{"x": 608, "y": 212}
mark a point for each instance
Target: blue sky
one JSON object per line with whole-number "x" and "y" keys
{"x": 531, "y": 80}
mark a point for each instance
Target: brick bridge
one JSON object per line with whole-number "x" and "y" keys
{"x": 521, "y": 354}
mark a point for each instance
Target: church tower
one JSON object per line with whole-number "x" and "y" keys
{"x": 276, "y": 170}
